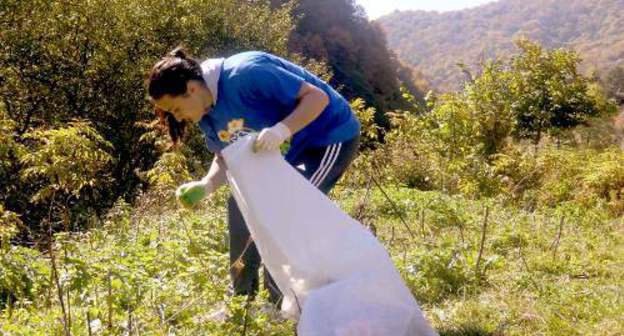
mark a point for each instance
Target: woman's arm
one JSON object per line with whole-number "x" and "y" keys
{"x": 312, "y": 101}
{"x": 216, "y": 173}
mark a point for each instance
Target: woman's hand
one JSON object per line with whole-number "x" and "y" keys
{"x": 272, "y": 138}
{"x": 312, "y": 101}
{"x": 190, "y": 194}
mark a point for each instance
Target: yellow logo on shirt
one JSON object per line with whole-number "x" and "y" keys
{"x": 235, "y": 129}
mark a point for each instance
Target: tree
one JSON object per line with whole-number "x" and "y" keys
{"x": 339, "y": 33}
{"x": 455, "y": 145}
{"x": 548, "y": 92}
{"x": 88, "y": 60}
{"x": 490, "y": 101}
{"x": 63, "y": 163}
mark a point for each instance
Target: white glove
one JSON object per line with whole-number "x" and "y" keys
{"x": 272, "y": 138}
{"x": 189, "y": 194}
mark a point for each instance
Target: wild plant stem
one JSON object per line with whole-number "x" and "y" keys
{"x": 394, "y": 206}
{"x": 482, "y": 243}
{"x": 555, "y": 243}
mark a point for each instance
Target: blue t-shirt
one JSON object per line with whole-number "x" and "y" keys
{"x": 262, "y": 89}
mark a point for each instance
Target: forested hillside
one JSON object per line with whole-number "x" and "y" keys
{"x": 339, "y": 33}
{"x": 436, "y": 42}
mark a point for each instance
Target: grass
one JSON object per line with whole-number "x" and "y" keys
{"x": 537, "y": 276}
{"x": 155, "y": 271}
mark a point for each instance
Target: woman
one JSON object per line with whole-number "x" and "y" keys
{"x": 273, "y": 96}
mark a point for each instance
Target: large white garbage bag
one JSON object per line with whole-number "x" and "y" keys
{"x": 335, "y": 276}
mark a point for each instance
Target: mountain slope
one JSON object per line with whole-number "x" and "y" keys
{"x": 436, "y": 42}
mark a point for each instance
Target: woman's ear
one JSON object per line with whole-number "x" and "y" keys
{"x": 192, "y": 86}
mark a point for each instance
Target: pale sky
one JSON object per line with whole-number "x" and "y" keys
{"x": 377, "y": 8}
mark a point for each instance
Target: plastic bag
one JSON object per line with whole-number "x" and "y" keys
{"x": 336, "y": 277}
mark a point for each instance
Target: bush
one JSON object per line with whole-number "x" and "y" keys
{"x": 549, "y": 94}
{"x": 470, "y": 142}
{"x": 68, "y": 165}
{"x": 23, "y": 274}
{"x": 603, "y": 180}
{"x": 88, "y": 60}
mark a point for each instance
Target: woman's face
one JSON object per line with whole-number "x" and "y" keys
{"x": 190, "y": 106}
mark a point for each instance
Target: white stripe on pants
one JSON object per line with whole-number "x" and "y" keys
{"x": 329, "y": 159}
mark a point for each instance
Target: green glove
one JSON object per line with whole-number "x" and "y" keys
{"x": 189, "y": 194}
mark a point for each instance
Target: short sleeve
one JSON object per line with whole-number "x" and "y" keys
{"x": 271, "y": 82}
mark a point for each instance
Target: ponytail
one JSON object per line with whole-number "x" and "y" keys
{"x": 178, "y": 52}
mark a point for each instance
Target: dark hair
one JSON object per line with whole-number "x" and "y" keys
{"x": 169, "y": 77}
{"x": 171, "y": 73}
{"x": 176, "y": 129}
